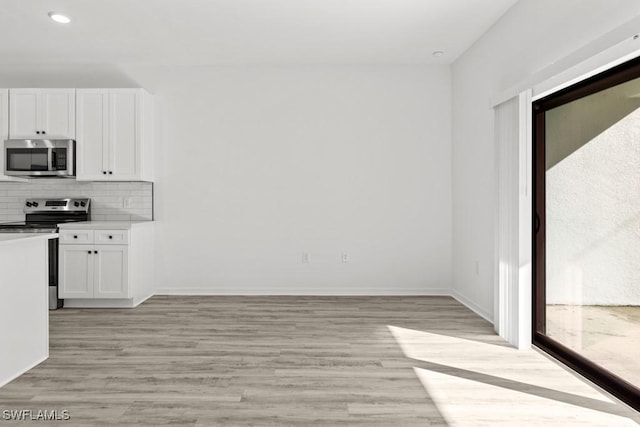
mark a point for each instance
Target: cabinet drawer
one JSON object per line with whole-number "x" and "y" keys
{"x": 76, "y": 237}
{"x": 112, "y": 237}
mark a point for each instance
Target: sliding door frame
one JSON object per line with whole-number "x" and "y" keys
{"x": 610, "y": 382}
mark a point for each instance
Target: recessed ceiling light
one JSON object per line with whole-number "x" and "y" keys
{"x": 59, "y": 18}
{"x": 438, "y": 53}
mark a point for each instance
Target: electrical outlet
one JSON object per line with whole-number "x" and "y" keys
{"x": 345, "y": 257}
{"x": 126, "y": 202}
{"x": 306, "y": 257}
{"x": 477, "y": 268}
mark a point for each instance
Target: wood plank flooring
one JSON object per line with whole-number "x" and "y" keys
{"x": 362, "y": 361}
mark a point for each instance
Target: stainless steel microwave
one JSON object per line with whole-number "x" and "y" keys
{"x": 40, "y": 157}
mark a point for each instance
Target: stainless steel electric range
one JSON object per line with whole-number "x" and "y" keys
{"x": 43, "y": 216}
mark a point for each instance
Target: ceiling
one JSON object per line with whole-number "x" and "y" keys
{"x": 243, "y": 32}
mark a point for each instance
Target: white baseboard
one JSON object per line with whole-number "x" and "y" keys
{"x": 98, "y": 303}
{"x": 105, "y": 303}
{"x": 472, "y": 306}
{"x": 28, "y": 368}
{"x": 305, "y": 292}
{"x": 140, "y": 300}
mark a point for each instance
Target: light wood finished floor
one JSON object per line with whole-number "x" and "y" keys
{"x": 367, "y": 361}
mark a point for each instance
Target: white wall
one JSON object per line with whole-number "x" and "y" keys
{"x": 258, "y": 165}
{"x": 531, "y": 37}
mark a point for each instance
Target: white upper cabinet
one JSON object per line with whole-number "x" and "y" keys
{"x": 4, "y": 128}
{"x": 25, "y": 113}
{"x": 59, "y": 113}
{"x": 4, "y": 133}
{"x": 92, "y": 140}
{"x": 125, "y": 132}
{"x": 42, "y": 113}
{"x": 114, "y": 131}
{"x": 4, "y": 114}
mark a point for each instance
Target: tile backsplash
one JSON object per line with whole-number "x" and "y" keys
{"x": 108, "y": 199}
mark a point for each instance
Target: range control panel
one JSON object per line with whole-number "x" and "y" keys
{"x": 51, "y": 205}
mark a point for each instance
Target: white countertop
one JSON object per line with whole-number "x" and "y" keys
{"x": 103, "y": 225}
{"x": 8, "y": 238}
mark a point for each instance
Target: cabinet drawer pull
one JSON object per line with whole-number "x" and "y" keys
{"x": 110, "y": 172}
{"x": 104, "y": 172}
{"x": 95, "y": 252}
{"x": 111, "y": 237}
{"x": 89, "y": 252}
{"x": 75, "y": 236}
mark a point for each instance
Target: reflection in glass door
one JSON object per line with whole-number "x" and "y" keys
{"x": 587, "y": 173}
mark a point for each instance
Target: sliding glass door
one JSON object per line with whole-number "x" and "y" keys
{"x": 587, "y": 228}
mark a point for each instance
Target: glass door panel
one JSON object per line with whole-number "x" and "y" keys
{"x": 592, "y": 227}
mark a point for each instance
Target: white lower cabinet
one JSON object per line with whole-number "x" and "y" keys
{"x": 112, "y": 266}
{"x": 111, "y": 272}
{"x": 75, "y": 272}
{"x": 94, "y": 271}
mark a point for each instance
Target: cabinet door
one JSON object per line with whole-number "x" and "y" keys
{"x": 4, "y": 116}
{"x": 92, "y": 142}
{"x": 111, "y": 275}
{"x": 58, "y": 113}
{"x": 76, "y": 271}
{"x": 124, "y": 134}
{"x": 24, "y": 113}
{"x": 4, "y": 127}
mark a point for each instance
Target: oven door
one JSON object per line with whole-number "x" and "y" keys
{"x": 36, "y": 158}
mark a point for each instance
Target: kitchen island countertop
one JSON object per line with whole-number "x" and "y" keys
{"x": 103, "y": 225}
{"x": 9, "y": 238}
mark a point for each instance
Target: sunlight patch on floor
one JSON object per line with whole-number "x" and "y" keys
{"x": 474, "y": 383}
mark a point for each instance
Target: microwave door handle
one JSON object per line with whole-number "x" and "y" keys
{"x": 53, "y": 164}
{"x": 49, "y": 159}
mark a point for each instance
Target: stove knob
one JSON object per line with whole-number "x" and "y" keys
{"x": 83, "y": 204}
{"x": 76, "y": 204}
{"x": 34, "y": 204}
{"x": 28, "y": 204}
